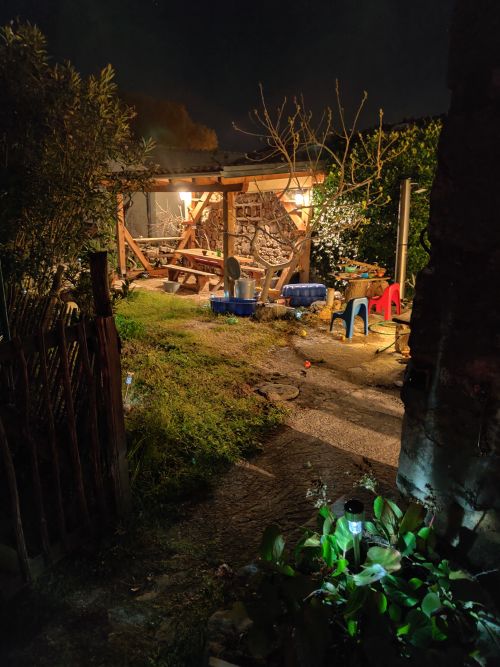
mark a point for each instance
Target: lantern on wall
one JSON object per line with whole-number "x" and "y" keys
{"x": 186, "y": 199}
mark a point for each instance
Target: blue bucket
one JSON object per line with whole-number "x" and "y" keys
{"x": 240, "y": 307}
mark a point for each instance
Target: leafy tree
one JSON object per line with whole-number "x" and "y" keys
{"x": 169, "y": 124}
{"x": 66, "y": 151}
{"x": 304, "y": 144}
{"x": 373, "y": 238}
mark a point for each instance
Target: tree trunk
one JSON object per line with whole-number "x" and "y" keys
{"x": 451, "y": 433}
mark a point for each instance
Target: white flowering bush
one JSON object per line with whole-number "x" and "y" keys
{"x": 336, "y": 233}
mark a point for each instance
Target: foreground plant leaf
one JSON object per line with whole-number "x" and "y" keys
{"x": 272, "y": 545}
{"x": 389, "y": 559}
{"x": 369, "y": 575}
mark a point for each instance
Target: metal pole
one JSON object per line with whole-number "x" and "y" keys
{"x": 403, "y": 229}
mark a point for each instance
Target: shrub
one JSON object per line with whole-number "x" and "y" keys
{"x": 404, "y": 605}
{"x": 369, "y": 233}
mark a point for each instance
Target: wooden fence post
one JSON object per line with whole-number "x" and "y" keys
{"x": 109, "y": 355}
{"x": 10, "y": 471}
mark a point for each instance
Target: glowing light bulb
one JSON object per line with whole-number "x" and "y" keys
{"x": 355, "y": 527}
{"x": 299, "y": 199}
{"x": 186, "y": 197}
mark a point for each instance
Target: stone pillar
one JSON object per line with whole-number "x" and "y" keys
{"x": 451, "y": 432}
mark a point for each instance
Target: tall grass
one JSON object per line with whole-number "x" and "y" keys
{"x": 192, "y": 409}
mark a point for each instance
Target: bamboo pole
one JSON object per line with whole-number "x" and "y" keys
{"x": 92, "y": 417}
{"x": 10, "y": 472}
{"x": 73, "y": 438}
{"x": 33, "y": 453}
{"x": 56, "y": 472}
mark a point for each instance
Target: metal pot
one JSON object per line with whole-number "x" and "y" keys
{"x": 171, "y": 286}
{"x": 244, "y": 288}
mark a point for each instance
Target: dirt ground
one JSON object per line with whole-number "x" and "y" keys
{"x": 140, "y": 602}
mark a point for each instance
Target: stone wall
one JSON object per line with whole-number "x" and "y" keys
{"x": 451, "y": 432}
{"x": 264, "y": 210}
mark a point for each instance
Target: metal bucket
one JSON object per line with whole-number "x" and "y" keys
{"x": 244, "y": 288}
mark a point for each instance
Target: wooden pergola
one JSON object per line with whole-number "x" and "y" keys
{"x": 228, "y": 182}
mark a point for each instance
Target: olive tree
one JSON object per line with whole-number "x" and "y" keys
{"x": 66, "y": 151}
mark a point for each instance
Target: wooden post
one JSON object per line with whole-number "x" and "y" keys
{"x": 109, "y": 356}
{"x": 120, "y": 237}
{"x": 100, "y": 284}
{"x": 305, "y": 258}
{"x": 231, "y": 222}
{"x": 228, "y": 220}
{"x": 149, "y": 213}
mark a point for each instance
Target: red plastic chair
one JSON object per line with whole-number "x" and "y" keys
{"x": 383, "y": 303}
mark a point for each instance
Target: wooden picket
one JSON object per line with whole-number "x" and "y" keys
{"x": 63, "y": 465}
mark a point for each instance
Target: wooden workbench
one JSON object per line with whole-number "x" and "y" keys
{"x": 362, "y": 287}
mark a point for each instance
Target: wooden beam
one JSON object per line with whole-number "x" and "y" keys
{"x": 136, "y": 250}
{"x": 186, "y": 186}
{"x": 199, "y": 208}
{"x": 305, "y": 176}
{"x": 294, "y": 214}
{"x": 156, "y": 239}
{"x": 120, "y": 236}
{"x": 305, "y": 257}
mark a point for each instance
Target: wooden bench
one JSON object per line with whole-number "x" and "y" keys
{"x": 202, "y": 277}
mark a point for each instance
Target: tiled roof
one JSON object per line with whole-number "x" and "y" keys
{"x": 182, "y": 161}
{"x": 177, "y": 161}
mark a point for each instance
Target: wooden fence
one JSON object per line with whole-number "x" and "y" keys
{"x": 63, "y": 467}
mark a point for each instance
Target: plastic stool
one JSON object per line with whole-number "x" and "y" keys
{"x": 353, "y": 308}
{"x": 383, "y": 303}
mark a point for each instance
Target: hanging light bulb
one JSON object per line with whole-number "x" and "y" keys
{"x": 186, "y": 197}
{"x": 299, "y": 199}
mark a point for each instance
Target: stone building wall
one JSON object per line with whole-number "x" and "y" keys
{"x": 450, "y": 453}
{"x": 264, "y": 210}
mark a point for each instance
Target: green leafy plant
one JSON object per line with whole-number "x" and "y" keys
{"x": 404, "y": 605}
{"x": 67, "y": 152}
{"x": 367, "y": 230}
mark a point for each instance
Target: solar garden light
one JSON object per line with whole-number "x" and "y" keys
{"x": 128, "y": 381}
{"x": 355, "y": 514}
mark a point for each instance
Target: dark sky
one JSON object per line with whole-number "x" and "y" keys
{"x": 212, "y": 55}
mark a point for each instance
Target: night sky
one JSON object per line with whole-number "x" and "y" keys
{"x": 211, "y": 55}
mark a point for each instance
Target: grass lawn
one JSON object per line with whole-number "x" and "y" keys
{"x": 191, "y": 407}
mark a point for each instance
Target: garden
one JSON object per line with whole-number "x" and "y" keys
{"x": 187, "y": 486}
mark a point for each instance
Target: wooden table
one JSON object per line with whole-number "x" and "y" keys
{"x": 199, "y": 255}
{"x": 216, "y": 260}
{"x": 360, "y": 287}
